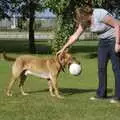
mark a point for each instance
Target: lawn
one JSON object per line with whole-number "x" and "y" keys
{"x": 77, "y": 90}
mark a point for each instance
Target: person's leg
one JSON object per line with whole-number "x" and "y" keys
{"x": 115, "y": 59}
{"x": 103, "y": 57}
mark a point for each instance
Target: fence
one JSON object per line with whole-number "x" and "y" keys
{"x": 15, "y": 28}
{"x": 17, "y": 23}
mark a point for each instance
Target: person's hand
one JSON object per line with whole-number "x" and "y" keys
{"x": 60, "y": 52}
{"x": 117, "y": 47}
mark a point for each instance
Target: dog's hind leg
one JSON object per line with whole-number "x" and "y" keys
{"x": 16, "y": 73}
{"x": 22, "y": 80}
{"x": 50, "y": 87}
{"x": 13, "y": 79}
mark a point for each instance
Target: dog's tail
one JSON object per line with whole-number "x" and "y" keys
{"x": 5, "y": 57}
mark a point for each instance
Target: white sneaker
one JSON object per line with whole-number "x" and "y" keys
{"x": 97, "y": 98}
{"x": 93, "y": 98}
{"x": 114, "y": 101}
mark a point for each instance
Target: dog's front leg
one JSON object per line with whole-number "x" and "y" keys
{"x": 22, "y": 91}
{"x": 55, "y": 86}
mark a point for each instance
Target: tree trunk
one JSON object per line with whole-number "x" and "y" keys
{"x": 32, "y": 48}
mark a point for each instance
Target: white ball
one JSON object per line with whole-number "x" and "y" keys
{"x": 75, "y": 69}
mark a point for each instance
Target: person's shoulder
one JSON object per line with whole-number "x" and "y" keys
{"x": 96, "y": 10}
{"x": 99, "y": 13}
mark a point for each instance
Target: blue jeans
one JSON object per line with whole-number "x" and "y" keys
{"x": 106, "y": 52}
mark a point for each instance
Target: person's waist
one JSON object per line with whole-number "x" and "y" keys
{"x": 108, "y": 34}
{"x": 104, "y": 31}
{"x": 107, "y": 39}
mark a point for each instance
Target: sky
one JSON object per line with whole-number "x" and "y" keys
{"x": 45, "y": 14}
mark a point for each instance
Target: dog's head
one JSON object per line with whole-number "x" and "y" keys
{"x": 66, "y": 59}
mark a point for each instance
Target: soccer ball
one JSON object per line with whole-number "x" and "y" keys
{"x": 75, "y": 69}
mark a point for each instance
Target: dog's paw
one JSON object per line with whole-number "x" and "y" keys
{"x": 53, "y": 95}
{"x": 25, "y": 94}
{"x": 60, "y": 97}
{"x": 9, "y": 94}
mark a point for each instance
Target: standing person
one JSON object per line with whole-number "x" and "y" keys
{"x": 108, "y": 30}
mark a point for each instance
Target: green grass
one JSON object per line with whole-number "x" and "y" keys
{"x": 77, "y": 90}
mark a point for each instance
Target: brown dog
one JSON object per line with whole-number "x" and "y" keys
{"x": 47, "y": 68}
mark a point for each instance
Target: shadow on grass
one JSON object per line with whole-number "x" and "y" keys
{"x": 91, "y": 55}
{"x": 91, "y": 50}
{"x": 22, "y": 46}
{"x": 69, "y": 91}
{"x": 83, "y": 48}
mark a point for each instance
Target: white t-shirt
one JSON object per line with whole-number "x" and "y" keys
{"x": 103, "y": 30}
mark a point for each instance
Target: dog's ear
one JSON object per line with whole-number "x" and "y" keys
{"x": 60, "y": 58}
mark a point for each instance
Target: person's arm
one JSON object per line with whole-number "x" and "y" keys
{"x": 72, "y": 38}
{"x": 116, "y": 25}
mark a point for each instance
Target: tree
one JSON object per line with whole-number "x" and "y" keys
{"x": 58, "y": 8}
{"x": 27, "y": 9}
{"x": 113, "y": 6}
{"x": 4, "y": 8}
{"x": 98, "y": 3}
{"x": 64, "y": 10}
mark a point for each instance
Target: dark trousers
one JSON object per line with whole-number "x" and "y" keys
{"x": 106, "y": 52}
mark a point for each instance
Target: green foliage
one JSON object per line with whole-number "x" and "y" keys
{"x": 113, "y": 6}
{"x": 63, "y": 30}
{"x": 57, "y": 6}
{"x": 4, "y": 9}
{"x": 63, "y": 10}
{"x": 98, "y": 3}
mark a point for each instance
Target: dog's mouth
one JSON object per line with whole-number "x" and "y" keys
{"x": 73, "y": 60}
{"x": 72, "y": 63}
{"x": 69, "y": 65}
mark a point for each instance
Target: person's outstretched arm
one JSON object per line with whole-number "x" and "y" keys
{"x": 72, "y": 38}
